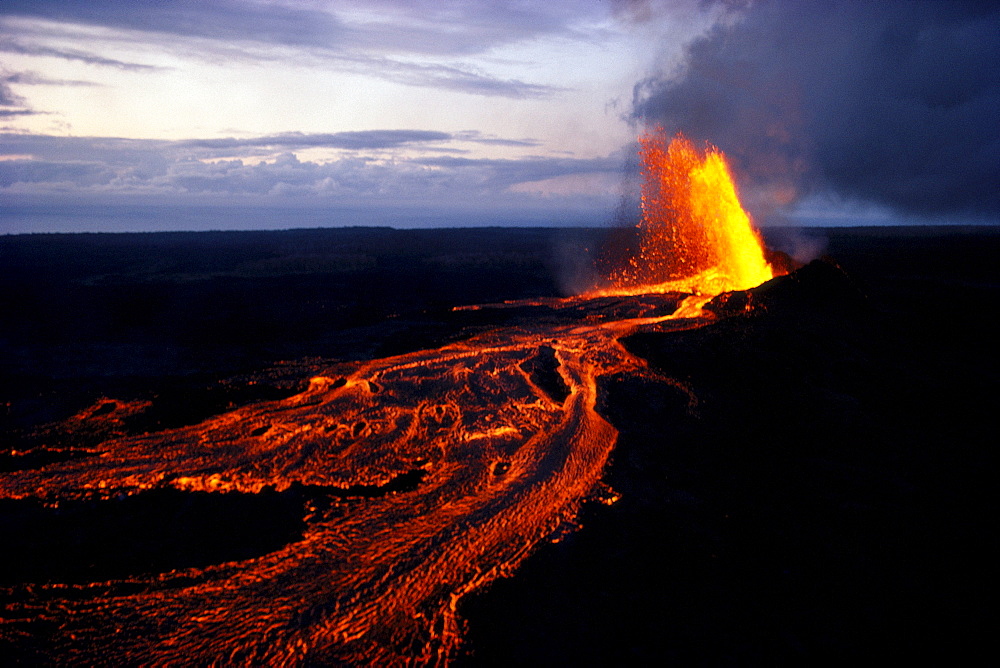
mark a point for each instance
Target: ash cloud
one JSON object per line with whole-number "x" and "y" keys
{"x": 895, "y": 103}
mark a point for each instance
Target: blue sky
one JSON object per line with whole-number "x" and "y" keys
{"x": 290, "y": 113}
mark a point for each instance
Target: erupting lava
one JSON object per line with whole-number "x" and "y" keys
{"x": 501, "y": 433}
{"x": 694, "y": 235}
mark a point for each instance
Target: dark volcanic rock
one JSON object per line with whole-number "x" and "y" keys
{"x": 805, "y": 481}
{"x": 820, "y": 285}
{"x": 788, "y": 495}
{"x": 151, "y": 532}
{"x": 543, "y": 369}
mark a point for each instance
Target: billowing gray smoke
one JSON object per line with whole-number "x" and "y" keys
{"x": 892, "y": 102}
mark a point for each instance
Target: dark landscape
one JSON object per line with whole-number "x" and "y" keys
{"x": 803, "y": 479}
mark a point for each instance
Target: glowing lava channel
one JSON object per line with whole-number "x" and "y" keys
{"x": 506, "y": 463}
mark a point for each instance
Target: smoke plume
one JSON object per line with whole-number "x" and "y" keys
{"x": 893, "y": 103}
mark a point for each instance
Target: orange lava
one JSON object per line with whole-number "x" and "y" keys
{"x": 507, "y": 456}
{"x": 694, "y": 235}
{"x": 374, "y": 581}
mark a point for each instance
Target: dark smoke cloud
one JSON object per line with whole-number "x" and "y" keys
{"x": 893, "y": 102}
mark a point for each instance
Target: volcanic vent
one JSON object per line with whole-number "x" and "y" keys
{"x": 694, "y": 235}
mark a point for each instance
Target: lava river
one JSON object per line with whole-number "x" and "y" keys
{"x": 499, "y": 438}
{"x": 503, "y": 459}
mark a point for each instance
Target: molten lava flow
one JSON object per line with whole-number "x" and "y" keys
{"x": 504, "y": 457}
{"x": 694, "y": 235}
{"x": 501, "y": 433}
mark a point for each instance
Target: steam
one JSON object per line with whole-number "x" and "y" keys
{"x": 573, "y": 256}
{"x": 801, "y": 244}
{"x": 891, "y": 103}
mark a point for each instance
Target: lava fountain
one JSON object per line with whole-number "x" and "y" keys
{"x": 500, "y": 433}
{"x": 694, "y": 235}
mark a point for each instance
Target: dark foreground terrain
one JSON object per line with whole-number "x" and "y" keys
{"x": 812, "y": 486}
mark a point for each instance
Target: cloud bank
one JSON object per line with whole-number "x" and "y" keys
{"x": 368, "y": 171}
{"x": 896, "y": 103}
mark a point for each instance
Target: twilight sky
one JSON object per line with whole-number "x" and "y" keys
{"x": 195, "y": 114}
